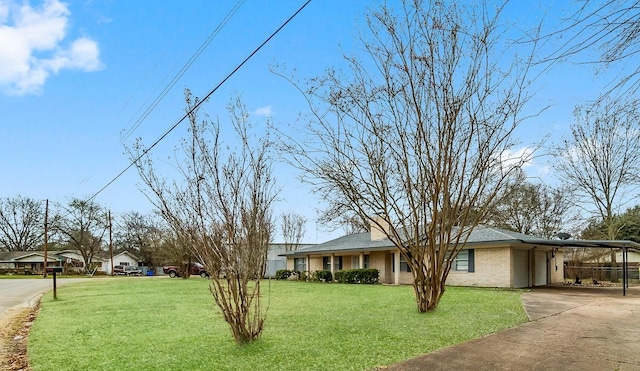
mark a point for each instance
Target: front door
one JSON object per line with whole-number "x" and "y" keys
{"x": 541, "y": 268}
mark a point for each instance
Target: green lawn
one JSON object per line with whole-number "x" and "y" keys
{"x": 161, "y": 324}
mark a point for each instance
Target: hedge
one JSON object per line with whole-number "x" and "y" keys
{"x": 363, "y": 276}
{"x": 283, "y": 274}
{"x": 323, "y": 275}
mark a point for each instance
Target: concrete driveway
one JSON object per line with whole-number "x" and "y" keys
{"x": 572, "y": 328}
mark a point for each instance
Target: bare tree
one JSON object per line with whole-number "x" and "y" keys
{"x": 21, "y": 224}
{"x": 342, "y": 215}
{"x": 535, "y": 209}
{"x": 142, "y": 235}
{"x": 219, "y": 206}
{"x": 82, "y": 224}
{"x": 420, "y": 132}
{"x": 627, "y": 224}
{"x": 293, "y": 230}
{"x": 166, "y": 247}
{"x": 611, "y": 29}
{"x": 600, "y": 159}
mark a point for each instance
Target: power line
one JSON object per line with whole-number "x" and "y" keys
{"x": 206, "y": 97}
{"x": 182, "y": 71}
{"x": 148, "y": 72}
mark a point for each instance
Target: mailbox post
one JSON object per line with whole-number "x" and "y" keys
{"x": 54, "y": 270}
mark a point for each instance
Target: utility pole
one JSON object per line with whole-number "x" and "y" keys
{"x": 46, "y": 236}
{"x": 110, "y": 242}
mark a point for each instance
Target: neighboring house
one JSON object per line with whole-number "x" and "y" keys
{"x": 101, "y": 261}
{"x": 633, "y": 258}
{"x": 596, "y": 264}
{"x": 123, "y": 258}
{"x": 492, "y": 257}
{"x": 30, "y": 262}
{"x": 72, "y": 259}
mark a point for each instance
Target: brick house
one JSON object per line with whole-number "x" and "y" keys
{"x": 26, "y": 262}
{"x": 492, "y": 257}
{"x": 32, "y": 262}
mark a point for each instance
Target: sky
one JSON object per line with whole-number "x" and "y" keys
{"x": 75, "y": 77}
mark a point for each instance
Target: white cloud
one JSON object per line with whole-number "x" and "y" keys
{"x": 32, "y": 48}
{"x": 263, "y": 111}
{"x": 524, "y": 157}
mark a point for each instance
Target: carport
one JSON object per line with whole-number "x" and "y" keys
{"x": 623, "y": 245}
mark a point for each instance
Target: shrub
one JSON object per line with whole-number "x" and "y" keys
{"x": 302, "y": 276}
{"x": 283, "y": 274}
{"x": 362, "y": 276}
{"x": 323, "y": 275}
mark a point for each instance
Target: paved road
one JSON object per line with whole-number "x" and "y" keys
{"x": 25, "y": 292}
{"x": 571, "y": 329}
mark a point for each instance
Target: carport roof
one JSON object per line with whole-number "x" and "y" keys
{"x": 603, "y": 244}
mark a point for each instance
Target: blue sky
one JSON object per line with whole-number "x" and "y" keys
{"x": 75, "y": 74}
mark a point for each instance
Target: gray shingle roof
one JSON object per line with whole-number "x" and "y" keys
{"x": 481, "y": 235}
{"x": 484, "y": 234}
{"x": 357, "y": 241}
{"x": 6, "y": 256}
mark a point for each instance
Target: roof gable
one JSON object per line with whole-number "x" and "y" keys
{"x": 127, "y": 253}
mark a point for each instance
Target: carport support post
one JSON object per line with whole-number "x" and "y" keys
{"x": 624, "y": 271}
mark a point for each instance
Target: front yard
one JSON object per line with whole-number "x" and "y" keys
{"x": 149, "y": 323}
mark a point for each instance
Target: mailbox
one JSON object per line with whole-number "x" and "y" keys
{"x": 54, "y": 270}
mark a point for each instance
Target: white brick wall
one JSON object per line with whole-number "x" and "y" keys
{"x": 557, "y": 276}
{"x": 492, "y": 269}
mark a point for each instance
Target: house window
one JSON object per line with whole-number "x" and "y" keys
{"x": 367, "y": 263}
{"x": 404, "y": 267}
{"x": 326, "y": 263}
{"x": 461, "y": 262}
{"x": 300, "y": 264}
{"x": 464, "y": 262}
{"x": 123, "y": 263}
{"x": 337, "y": 263}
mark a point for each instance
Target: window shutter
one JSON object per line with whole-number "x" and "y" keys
{"x": 472, "y": 265}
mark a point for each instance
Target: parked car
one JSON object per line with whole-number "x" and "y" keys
{"x": 132, "y": 271}
{"x": 126, "y": 270}
{"x": 175, "y": 271}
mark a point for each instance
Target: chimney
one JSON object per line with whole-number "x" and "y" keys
{"x": 378, "y": 234}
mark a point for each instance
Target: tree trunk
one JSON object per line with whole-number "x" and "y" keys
{"x": 428, "y": 291}
{"x": 186, "y": 271}
{"x": 240, "y": 307}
